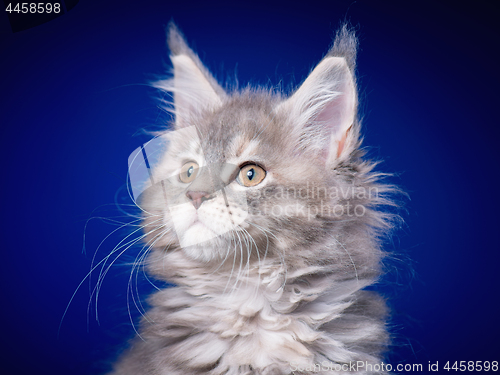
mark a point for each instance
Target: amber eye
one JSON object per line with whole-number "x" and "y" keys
{"x": 251, "y": 175}
{"x": 188, "y": 172}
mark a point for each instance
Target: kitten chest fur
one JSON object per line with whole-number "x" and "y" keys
{"x": 266, "y": 321}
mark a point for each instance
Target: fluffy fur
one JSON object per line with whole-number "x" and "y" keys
{"x": 268, "y": 279}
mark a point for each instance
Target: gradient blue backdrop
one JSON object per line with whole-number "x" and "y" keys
{"x": 73, "y": 98}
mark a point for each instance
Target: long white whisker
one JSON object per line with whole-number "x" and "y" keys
{"x": 126, "y": 245}
{"x": 135, "y": 269}
{"x": 250, "y": 238}
{"x": 349, "y": 255}
{"x": 137, "y": 303}
{"x": 234, "y": 262}
{"x": 120, "y": 245}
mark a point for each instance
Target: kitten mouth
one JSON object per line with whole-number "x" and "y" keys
{"x": 196, "y": 234}
{"x": 198, "y": 225}
{"x": 197, "y": 221}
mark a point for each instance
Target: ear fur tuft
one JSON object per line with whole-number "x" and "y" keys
{"x": 194, "y": 88}
{"x": 323, "y": 110}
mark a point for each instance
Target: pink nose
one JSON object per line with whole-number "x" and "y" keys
{"x": 198, "y": 197}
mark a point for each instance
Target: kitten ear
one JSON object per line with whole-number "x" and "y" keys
{"x": 323, "y": 109}
{"x": 194, "y": 88}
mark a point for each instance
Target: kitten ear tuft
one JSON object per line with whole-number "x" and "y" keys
{"x": 194, "y": 88}
{"x": 345, "y": 45}
{"x": 176, "y": 41}
{"x": 323, "y": 109}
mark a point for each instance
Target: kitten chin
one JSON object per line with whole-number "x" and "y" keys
{"x": 205, "y": 251}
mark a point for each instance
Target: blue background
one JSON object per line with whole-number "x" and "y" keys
{"x": 74, "y": 99}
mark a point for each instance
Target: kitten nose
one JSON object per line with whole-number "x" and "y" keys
{"x": 198, "y": 197}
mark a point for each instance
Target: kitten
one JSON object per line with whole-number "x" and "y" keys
{"x": 267, "y": 218}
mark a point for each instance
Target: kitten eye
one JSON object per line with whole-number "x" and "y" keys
{"x": 188, "y": 172}
{"x": 251, "y": 175}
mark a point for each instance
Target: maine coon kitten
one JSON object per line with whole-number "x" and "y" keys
{"x": 266, "y": 218}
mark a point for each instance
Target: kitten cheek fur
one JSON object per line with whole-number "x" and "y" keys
{"x": 284, "y": 289}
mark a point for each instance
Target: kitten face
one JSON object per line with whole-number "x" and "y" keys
{"x": 246, "y": 173}
{"x": 219, "y": 181}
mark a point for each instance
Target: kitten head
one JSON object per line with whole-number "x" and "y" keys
{"x": 254, "y": 174}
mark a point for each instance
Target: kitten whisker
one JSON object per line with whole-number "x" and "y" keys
{"x": 233, "y": 240}
{"x": 102, "y": 242}
{"x": 88, "y": 275}
{"x": 349, "y": 255}
{"x": 139, "y": 263}
{"x": 238, "y": 276}
{"x": 249, "y": 249}
{"x": 105, "y": 269}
